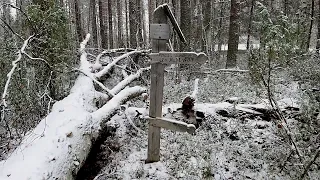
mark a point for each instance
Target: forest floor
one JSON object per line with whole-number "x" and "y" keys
{"x": 240, "y": 146}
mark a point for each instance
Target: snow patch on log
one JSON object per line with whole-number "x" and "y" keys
{"x": 55, "y": 147}
{"x": 59, "y": 145}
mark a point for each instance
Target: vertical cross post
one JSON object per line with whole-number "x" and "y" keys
{"x": 159, "y": 33}
{"x": 156, "y": 90}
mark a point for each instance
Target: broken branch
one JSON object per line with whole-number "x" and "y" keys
{"x": 128, "y": 80}
{"x": 14, "y": 66}
{"x": 107, "y": 68}
{"x": 116, "y": 101}
{"x": 310, "y": 163}
{"x": 110, "y": 93}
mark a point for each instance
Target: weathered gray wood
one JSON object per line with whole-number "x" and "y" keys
{"x": 178, "y": 58}
{"x": 174, "y": 22}
{"x": 172, "y": 125}
{"x": 159, "y": 31}
{"x": 160, "y": 58}
{"x": 156, "y": 91}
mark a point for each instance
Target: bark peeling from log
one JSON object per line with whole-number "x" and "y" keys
{"x": 100, "y": 154}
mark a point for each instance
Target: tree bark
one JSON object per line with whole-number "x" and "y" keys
{"x": 250, "y": 23}
{"x": 145, "y": 23}
{"x": 220, "y": 30}
{"x": 110, "y": 20}
{"x": 318, "y": 34}
{"x": 6, "y": 17}
{"x": 93, "y": 22}
{"x": 80, "y": 32}
{"x": 120, "y": 22}
{"x": 197, "y": 26}
{"x": 115, "y": 23}
{"x": 185, "y": 23}
{"x": 311, "y": 25}
{"x": 152, "y": 7}
{"x": 233, "y": 34}
{"x": 285, "y": 5}
{"x": 207, "y": 24}
{"x": 135, "y": 20}
{"x": 103, "y": 17}
{"x": 132, "y": 20}
{"x": 127, "y": 23}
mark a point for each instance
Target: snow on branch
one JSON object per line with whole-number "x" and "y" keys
{"x": 107, "y": 68}
{"x": 128, "y": 80}
{"x": 88, "y": 74}
{"x": 84, "y": 63}
{"x": 14, "y": 66}
{"x": 84, "y": 43}
{"x": 122, "y": 84}
{"x": 116, "y": 101}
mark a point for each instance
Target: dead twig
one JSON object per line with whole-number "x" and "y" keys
{"x": 128, "y": 80}
{"x": 276, "y": 108}
{"x": 287, "y": 159}
{"x": 306, "y": 169}
{"x": 110, "y": 93}
{"x": 132, "y": 124}
{"x": 10, "y": 28}
{"x": 14, "y": 66}
{"x": 107, "y": 68}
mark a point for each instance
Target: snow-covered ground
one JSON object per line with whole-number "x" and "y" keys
{"x": 223, "y": 148}
{"x": 238, "y": 147}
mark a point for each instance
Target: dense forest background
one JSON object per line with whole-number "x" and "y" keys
{"x": 271, "y": 33}
{"x": 259, "y": 51}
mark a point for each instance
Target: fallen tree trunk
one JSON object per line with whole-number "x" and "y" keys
{"x": 59, "y": 145}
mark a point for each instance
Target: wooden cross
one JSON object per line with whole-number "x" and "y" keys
{"x": 159, "y": 33}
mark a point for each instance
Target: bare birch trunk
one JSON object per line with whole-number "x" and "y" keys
{"x": 145, "y": 23}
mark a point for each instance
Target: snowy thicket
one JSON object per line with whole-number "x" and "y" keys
{"x": 241, "y": 144}
{"x": 58, "y": 146}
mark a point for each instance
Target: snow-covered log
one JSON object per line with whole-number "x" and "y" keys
{"x": 60, "y": 144}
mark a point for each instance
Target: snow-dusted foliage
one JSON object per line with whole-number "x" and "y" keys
{"x": 60, "y": 143}
{"x": 234, "y": 141}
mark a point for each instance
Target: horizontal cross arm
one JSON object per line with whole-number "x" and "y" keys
{"x": 164, "y": 57}
{"x": 172, "y": 125}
